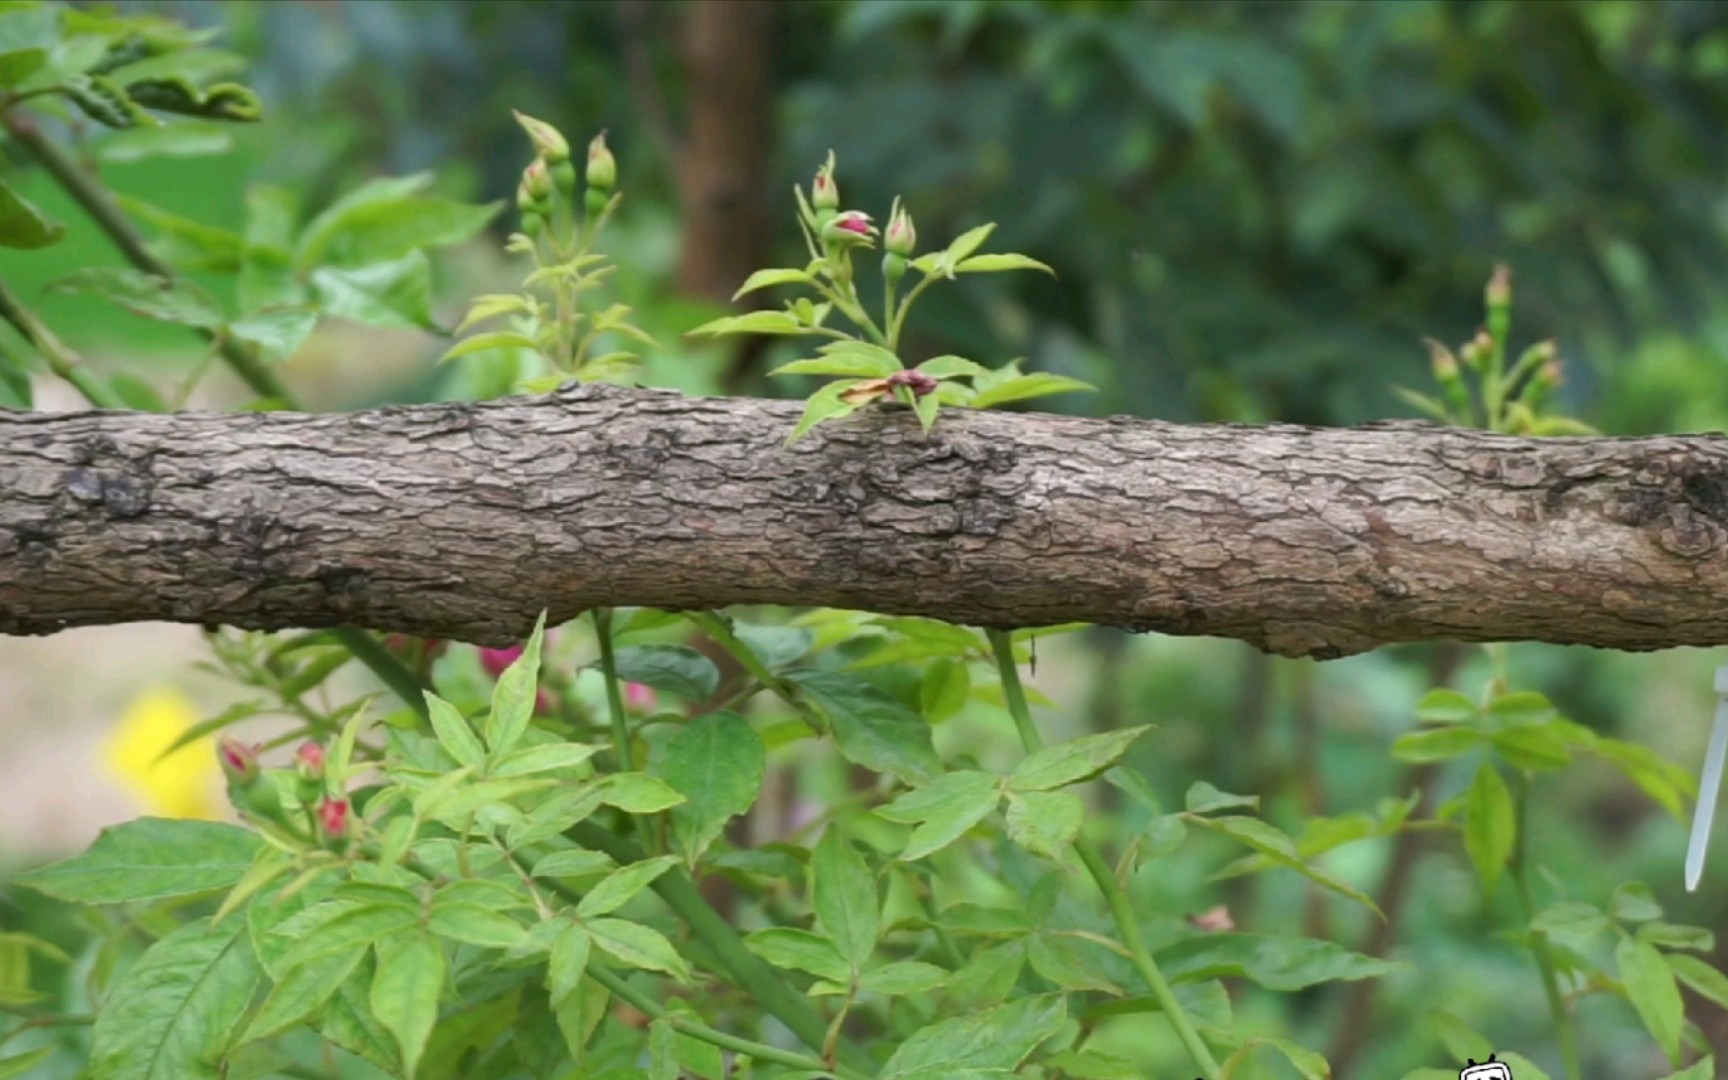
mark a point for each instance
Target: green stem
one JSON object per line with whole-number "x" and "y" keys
{"x": 61, "y": 360}
{"x": 614, "y": 700}
{"x": 905, "y": 306}
{"x": 757, "y": 1051}
{"x": 1538, "y": 940}
{"x": 1121, "y": 910}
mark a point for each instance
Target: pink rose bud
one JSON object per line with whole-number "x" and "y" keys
{"x": 824, "y": 192}
{"x": 239, "y": 761}
{"x": 850, "y": 229}
{"x": 333, "y": 818}
{"x": 495, "y": 661}
{"x": 548, "y": 142}
{"x": 309, "y": 761}
{"x": 901, "y": 237}
{"x": 537, "y": 182}
{"x": 640, "y": 698}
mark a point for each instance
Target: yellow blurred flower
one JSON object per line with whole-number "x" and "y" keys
{"x": 181, "y": 785}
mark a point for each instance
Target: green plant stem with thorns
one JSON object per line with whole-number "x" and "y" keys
{"x": 112, "y": 220}
{"x": 1538, "y": 940}
{"x": 1121, "y": 911}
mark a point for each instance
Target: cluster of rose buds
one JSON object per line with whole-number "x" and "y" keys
{"x": 551, "y": 176}
{"x": 257, "y": 796}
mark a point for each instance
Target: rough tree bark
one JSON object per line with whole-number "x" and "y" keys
{"x": 465, "y": 520}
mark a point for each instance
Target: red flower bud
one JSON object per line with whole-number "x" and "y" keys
{"x": 333, "y": 818}
{"x": 639, "y": 698}
{"x": 309, "y": 761}
{"x": 850, "y": 229}
{"x": 495, "y": 661}
{"x": 824, "y": 192}
{"x": 239, "y": 761}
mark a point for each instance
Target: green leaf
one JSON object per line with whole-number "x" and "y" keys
{"x": 1446, "y": 707}
{"x": 676, "y": 669}
{"x": 177, "y": 94}
{"x": 1571, "y": 921}
{"x": 386, "y": 220}
{"x": 514, "y": 696}
{"x": 494, "y": 339}
{"x": 762, "y": 279}
{"x": 944, "y": 810}
{"x": 395, "y": 295}
{"x": 860, "y": 365}
{"x": 639, "y": 793}
{"x": 992, "y": 1041}
{"x": 944, "y": 689}
{"x": 453, "y": 732}
{"x": 1045, "y": 822}
{"x": 21, "y": 1066}
{"x": 1073, "y": 761}
{"x": 555, "y": 815}
{"x": 1274, "y": 843}
{"x": 22, "y": 225}
{"x": 149, "y": 859}
{"x": 572, "y": 864}
{"x": 1203, "y": 798}
{"x": 824, "y": 404}
{"x": 472, "y": 924}
{"x": 755, "y": 322}
{"x": 405, "y": 990}
{"x": 348, "y": 928}
{"x": 1534, "y": 747}
{"x": 1058, "y": 958}
{"x": 148, "y": 295}
{"x": 493, "y": 305}
{"x": 1308, "y": 1064}
{"x": 302, "y": 992}
{"x": 638, "y": 946}
{"x": 1670, "y": 936}
{"x": 1704, "y": 1069}
{"x": 800, "y": 950}
{"x": 717, "y": 762}
{"x": 1701, "y": 977}
{"x": 1519, "y": 708}
{"x": 844, "y": 896}
{"x": 871, "y": 728}
{"x": 1277, "y": 963}
{"x": 1634, "y": 902}
{"x": 950, "y": 367}
{"x": 962, "y": 247}
{"x": 277, "y": 334}
{"x": 1025, "y": 387}
{"x": 1490, "y": 824}
{"x": 988, "y": 264}
{"x": 1092, "y": 1065}
{"x": 1662, "y": 780}
{"x": 567, "y": 960}
{"x": 527, "y": 760}
{"x": 168, "y": 141}
{"x": 903, "y": 977}
{"x": 171, "y": 1015}
{"x": 1650, "y": 986}
{"x": 1436, "y": 744}
{"x": 621, "y": 886}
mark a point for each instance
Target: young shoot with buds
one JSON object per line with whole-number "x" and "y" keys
{"x": 866, "y": 361}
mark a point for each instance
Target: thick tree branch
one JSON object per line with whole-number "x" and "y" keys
{"x": 463, "y": 521}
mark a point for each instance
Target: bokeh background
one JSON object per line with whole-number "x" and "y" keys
{"x": 1256, "y": 212}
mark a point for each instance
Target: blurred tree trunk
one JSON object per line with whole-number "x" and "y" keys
{"x": 721, "y": 159}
